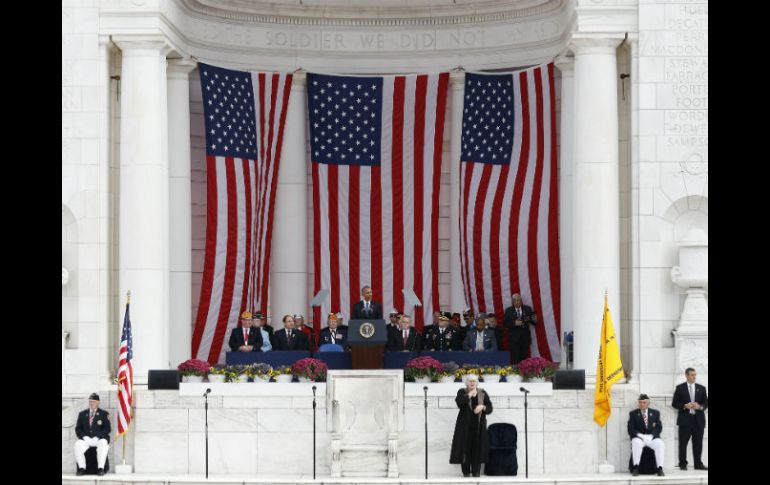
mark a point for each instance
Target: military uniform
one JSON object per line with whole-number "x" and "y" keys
{"x": 442, "y": 339}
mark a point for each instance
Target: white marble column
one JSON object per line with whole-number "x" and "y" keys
{"x": 457, "y": 294}
{"x": 180, "y": 210}
{"x": 596, "y": 226}
{"x": 143, "y": 217}
{"x": 288, "y": 268}
{"x": 566, "y": 66}
{"x": 108, "y": 333}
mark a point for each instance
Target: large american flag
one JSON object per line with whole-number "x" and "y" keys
{"x": 245, "y": 114}
{"x": 376, "y": 165}
{"x": 509, "y": 220}
{"x": 125, "y": 376}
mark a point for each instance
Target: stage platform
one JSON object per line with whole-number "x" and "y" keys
{"x": 673, "y": 477}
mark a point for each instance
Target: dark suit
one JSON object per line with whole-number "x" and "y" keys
{"x": 490, "y": 341}
{"x": 396, "y": 341}
{"x": 99, "y": 428}
{"x": 360, "y": 313}
{"x": 519, "y": 338}
{"x": 236, "y": 339}
{"x": 281, "y": 342}
{"x": 690, "y": 424}
{"x": 636, "y": 423}
{"x": 341, "y": 336}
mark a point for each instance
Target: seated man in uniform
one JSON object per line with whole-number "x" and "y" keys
{"x": 441, "y": 337}
{"x": 93, "y": 431}
{"x": 644, "y": 428}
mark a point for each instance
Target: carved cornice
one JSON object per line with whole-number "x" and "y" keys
{"x": 374, "y": 17}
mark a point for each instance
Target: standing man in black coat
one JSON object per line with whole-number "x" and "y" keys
{"x": 245, "y": 338}
{"x": 518, "y": 319}
{"x": 691, "y": 399}
{"x": 367, "y": 308}
{"x": 93, "y": 430}
{"x": 644, "y": 428}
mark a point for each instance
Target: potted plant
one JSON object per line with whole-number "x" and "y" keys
{"x": 422, "y": 369}
{"x": 448, "y": 374}
{"x": 238, "y": 373}
{"x": 193, "y": 370}
{"x": 310, "y": 370}
{"x": 260, "y": 372}
{"x": 218, "y": 373}
{"x": 537, "y": 369}
{"x": 282, "y": 374}
{"x": 490, "y": 374}
{"x": 469, "y": 369}
{"x": 510, "y": 373}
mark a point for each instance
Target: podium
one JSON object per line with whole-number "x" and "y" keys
{"x": 367, "y": 339}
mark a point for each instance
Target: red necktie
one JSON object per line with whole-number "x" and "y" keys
{"x": 246, "y": 336}
{"x": 288, "y": 337}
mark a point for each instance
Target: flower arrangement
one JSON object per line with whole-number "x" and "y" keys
{"x": 537, "y": 367}
{"x": 450, "y": 369}
{"x": 218, "y": 370}
{"x": 468, "y": 369}
{"x": 423, "y": 367}
{"x": 309, "y": 368}
{"x": 194, "y": 367}
{"x": 504, "y": 371}
{"x": 234, "y": 372}
{"x": 278, "y": 371}
{"x": 259, "y": 370}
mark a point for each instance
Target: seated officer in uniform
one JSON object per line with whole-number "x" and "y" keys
{"x": 93, "y": 430}
{"x": 441, "y": 337}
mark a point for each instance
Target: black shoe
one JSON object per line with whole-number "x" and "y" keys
{"x": 81, "y": 471}
{"x": 660, "y": 472}
{"x": 701, "y": 466}
{"x": 100, "y": 472}
{"x": 477, "y": 474}
{"x": 466, "y": 474}
{"x": 635, "y": 471}
{"x": 683, "y": 468}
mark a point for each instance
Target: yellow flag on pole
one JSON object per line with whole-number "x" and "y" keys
{"x": 609, "y": 368}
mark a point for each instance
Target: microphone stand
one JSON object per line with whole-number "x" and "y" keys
{"x": 206, "y": 395}
{"x": 314, "y": 404}
{"x": 526, "y": 441}
{"x": 425, "y": 390}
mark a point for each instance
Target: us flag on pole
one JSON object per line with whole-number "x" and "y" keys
{"x": 245, "y": 115}
{"x": 509, "y": 221}
{"x": 376, "y": 166}
{"x": 125, "y": 376}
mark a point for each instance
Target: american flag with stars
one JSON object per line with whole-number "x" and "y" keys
{"x": 509, "y": 218}
{"x": 245, "y": 115}
{"x": 125, "y": 376}
{"x": 376, "y": 166}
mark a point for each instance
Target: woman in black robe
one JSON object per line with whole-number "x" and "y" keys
{"x": 469, "y": 443}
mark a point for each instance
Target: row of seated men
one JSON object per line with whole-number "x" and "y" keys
{"x": 254, "y": 335}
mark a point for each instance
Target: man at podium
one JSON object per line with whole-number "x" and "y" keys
{"x": 367, "y": 308}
